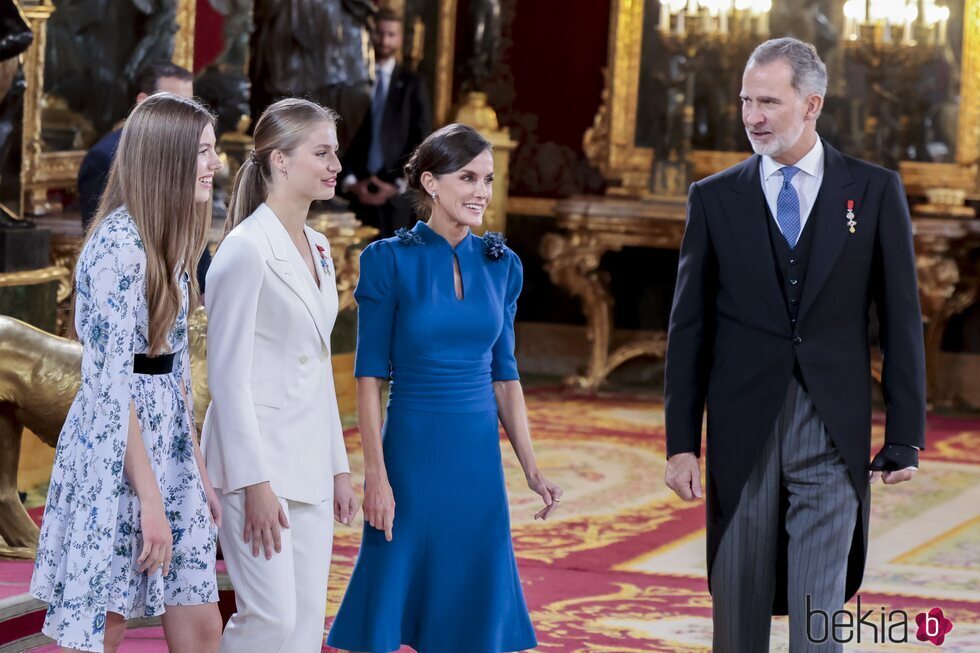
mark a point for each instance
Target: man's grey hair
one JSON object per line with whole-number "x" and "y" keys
{"x": 809, "y": 71}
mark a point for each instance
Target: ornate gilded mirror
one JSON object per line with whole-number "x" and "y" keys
{"x": 83, "y": 67}
{"x": 904, "y": 92}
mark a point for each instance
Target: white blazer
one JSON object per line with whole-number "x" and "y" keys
{"x": 273, "y": 414}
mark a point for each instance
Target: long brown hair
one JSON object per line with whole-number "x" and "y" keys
{"x": 282, "y": 126}
{"x": 154, "y": 175}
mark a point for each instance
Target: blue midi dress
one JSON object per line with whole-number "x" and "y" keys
{"x": 448, "y": 580}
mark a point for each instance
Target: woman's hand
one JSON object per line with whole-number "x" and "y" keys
{"x": 214, "y": 505}
{"x": 379, "y": 505}
{"x": 344, "y": 500}
{"x": 264, "y": 516}
{"x": 549, "y": 492}
{"x": 158, "y": 539}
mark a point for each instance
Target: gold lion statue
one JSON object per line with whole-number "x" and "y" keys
{"x": 39, "y": 377}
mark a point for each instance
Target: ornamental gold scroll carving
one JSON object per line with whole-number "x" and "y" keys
{"x": 589, "y": 227}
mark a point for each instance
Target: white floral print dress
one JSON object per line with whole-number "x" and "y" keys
{"x": 90, "y": 535}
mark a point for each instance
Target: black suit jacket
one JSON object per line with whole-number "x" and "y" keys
{"x": 406, "y": 122}
{"x": 731, "y": 344}
{"x": 93, "y": 175}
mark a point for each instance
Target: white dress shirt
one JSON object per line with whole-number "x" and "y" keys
{"x": 806, "y": 182}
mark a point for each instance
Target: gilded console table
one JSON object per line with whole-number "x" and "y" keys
{"x": 591, "y": 226}
{"x": 946, "y": 253}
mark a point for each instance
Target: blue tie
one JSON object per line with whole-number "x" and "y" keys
{"x": 375, "y": 159}
{"x": 788, "y": 207}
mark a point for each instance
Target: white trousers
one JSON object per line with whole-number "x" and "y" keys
{"x": 282, "y": 601}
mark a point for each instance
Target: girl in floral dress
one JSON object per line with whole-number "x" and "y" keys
{"x": 129, "y": 526}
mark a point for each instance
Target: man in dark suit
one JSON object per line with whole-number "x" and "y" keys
{"x": 93, "y": 174}
{"x": 399, "y": 118}
{"x": 782, "y": 257}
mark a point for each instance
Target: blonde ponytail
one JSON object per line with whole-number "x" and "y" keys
{"x": 247, "y": 193}
{"x": 283, "y": 126}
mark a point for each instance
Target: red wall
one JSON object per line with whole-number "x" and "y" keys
{"x": 559, "y": 50}
{"x": 208, "y": 40}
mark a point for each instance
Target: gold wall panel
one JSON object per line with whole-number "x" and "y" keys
{"x": 968, "y": 127}
{"x": 446, "y": 50}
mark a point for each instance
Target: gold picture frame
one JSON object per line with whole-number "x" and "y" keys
{"x": 445, "y": 52}
{"x": 610, "y": 144}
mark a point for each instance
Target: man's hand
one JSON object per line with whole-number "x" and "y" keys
{"x": 360, "y": 190}
{"x": 385, "y": 190}
{"x": 894, "y": 463}
{"x": 891, "y": 478}
{"x": 683, "y": 476}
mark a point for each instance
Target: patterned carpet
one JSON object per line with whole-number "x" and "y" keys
{"x": 620, "y": 568}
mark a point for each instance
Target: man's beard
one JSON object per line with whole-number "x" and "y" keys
{"x": 780, "y": 142}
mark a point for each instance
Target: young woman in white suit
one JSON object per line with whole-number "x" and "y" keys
{"x": 272, "y": 436}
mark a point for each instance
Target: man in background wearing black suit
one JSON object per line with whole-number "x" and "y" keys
{"x": 782, "y": 257}
{"x": 94, "y": 171}
{"x": 399, "y": 118}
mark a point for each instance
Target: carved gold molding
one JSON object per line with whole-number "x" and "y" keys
{"x": 445, "y": 51}
{"x": 948, "y": 275}
{"x": 590, "y": 227}
{"x": 33, "y": 160}
{"x": 475, "y": 112}
{"x": 705, "y": 163}
{"x": 346, "y": 236}
{"x": 536, "y": 206}
{"x": 948, "y": 283}
{"x": 610, "y": 143}
{"x": 42, "y": 171}
{"x": 184, "y": 39}
{"x": 35, "y": 277}
{"x": 968, "y": 128}
{"x": 398, "y": 6}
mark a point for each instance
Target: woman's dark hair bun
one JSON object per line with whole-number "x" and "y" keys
{"x": 445, "y": 151}
{"x": 413, "y": 176}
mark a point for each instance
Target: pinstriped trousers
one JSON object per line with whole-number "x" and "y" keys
{"x": 801, "y": 462}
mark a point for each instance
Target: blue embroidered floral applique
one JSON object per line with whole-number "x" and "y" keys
{"x": 409, "y": 237}
{"x": 495, "y": 244}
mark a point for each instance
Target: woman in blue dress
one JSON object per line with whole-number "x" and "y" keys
{"x": 129, "y": 525}
{"x": 436, "y": 317}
